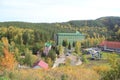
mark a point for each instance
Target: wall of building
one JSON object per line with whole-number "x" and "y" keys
{"x": 70, "y": 38}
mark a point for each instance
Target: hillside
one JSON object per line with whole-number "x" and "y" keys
{"x": 104, "y": 26}
{"x": 100, "y": 22}
{"x": 109, "y": 21}
{"x": 23, "y": 44}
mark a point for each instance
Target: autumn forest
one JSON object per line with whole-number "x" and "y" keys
{"x": 24, "y": 39}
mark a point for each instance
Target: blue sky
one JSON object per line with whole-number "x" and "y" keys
{"x": 57, "y": 10}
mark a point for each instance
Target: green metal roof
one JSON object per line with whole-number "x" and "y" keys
{"x": 47, "y": 44}
{"x": 77, "y": 33}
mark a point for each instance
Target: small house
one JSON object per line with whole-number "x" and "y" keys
{"x": 47, "y": 48}
{"x": 41, "y": 64}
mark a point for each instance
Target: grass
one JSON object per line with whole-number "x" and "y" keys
{"x": 96, "y": 62}
{"x": 81, "y": 72}
{"x": 60, "y": 73}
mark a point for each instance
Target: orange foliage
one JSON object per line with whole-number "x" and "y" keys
{"x": 5, "y": 42}
{"x": 8, "y": 61}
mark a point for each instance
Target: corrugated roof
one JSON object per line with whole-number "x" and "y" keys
{"x": 41, "y": 64}
{"x": 110, "y": 44}
{"x": 77, "y": 33}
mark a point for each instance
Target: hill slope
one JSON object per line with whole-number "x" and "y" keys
{"x": 104, "y": 26}
{"x": 109, "y": 21}
{"x": 100, "y": 22}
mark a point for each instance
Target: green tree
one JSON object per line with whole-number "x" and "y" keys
{"x": 113, "y": 74}
{"x": 17, "y": 54}
{"x": 52, "y": 54}
{"x": 112, "y": 59}
{"x": 69, "y": 46}
{"x": 49, "y": 61}
{"x": 37, "y": 36}
{"x": 84, "y": 58}
{"x": 29, "y": 58}
{"x": 65, "y": 43}
{"x": 60, "y": 50}
{"x": 77, "y": 47}
{"x": 73, "y": 44}
{"x": 64, "y": 77}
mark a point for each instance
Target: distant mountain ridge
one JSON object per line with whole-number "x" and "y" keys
{"x": 109, "y": 22}
{"x": 103, "y": 26}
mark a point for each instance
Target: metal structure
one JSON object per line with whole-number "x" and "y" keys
{"x": 70, "y": 37}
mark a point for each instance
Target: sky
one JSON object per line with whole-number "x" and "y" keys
{"x": 57, "y": 10}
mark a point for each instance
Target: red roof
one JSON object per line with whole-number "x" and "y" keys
{"x": 42, "y": 64}
{"x": 110, "y": 44}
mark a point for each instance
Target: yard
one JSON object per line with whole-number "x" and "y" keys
{"x": 97, "y": 62}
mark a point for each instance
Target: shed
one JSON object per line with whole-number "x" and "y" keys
{"x": 41, "y": 64}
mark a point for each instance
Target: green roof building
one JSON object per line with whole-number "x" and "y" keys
{"x": 70, "y": 37}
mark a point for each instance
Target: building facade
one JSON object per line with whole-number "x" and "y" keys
{"x": 70, "y": 37}
{"x": 110, "y": 46}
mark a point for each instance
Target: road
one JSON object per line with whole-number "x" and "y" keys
{"x": 59, "y": 61}
{"x": 74, "y": 60}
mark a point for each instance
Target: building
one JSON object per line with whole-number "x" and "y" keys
{"x": 70, "y": 37}
{"x": 41, "y": 64}
{"x": 47, "y": 48}
{"x": 110, "y": 46}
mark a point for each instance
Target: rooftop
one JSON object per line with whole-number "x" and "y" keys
{"x": 110, "y": 44}
{"x": 77, "y": 33}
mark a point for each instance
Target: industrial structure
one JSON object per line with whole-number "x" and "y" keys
{"x": 110, "y": 46}
{"x": 70, "y": 37}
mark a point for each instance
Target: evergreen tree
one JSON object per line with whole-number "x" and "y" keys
{"x": 65, "y": 43}
{"x": 29, "y": 58}
{"x": 69, "y": 46}
{"x": 73, "y": 44}
{"x": 52, "y": 54}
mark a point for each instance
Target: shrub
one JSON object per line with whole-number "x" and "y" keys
{"x": 112, "y": 59}
{"x": 4, "y": 78}
{"x": 101, "y": 69}
{"x": 113, "y": 74}
{"x": 64, "y": 77}
{"x": 61, "y": 73}
{"x": 84, "y": 59}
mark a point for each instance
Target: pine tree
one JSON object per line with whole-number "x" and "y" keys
{"x": 69, "y": 46}
{"x": 65, "y": 43}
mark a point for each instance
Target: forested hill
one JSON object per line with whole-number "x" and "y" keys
{"x": 109, "y": 22}
{"x": 104, "y": 26}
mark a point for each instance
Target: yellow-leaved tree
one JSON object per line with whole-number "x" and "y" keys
{"x": 7, "y": 61}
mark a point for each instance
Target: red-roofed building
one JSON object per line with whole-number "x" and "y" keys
{"x": 41, "y": 64}
{"x": 110, "y": 46}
